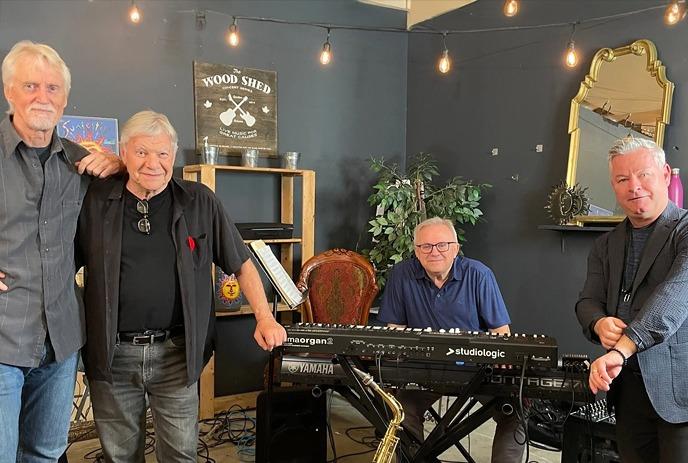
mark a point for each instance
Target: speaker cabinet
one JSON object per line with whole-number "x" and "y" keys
{"x": 291, "y": 427}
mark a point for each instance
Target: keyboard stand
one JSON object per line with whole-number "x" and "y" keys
{"x": 456, "y": 423}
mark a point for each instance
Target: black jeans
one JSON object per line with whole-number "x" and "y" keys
{"x": 642, "y": 436}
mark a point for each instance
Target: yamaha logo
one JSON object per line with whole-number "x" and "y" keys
{"x": 317, "y": 368}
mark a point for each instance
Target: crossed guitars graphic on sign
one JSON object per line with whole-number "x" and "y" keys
{"x": 228, "y": 116}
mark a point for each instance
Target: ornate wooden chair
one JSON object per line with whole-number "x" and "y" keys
{"x": 341, "y": 287}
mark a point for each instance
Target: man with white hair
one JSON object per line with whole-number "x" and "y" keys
{"x": 635, "y": 304}
{"x": 149, "y": 241}
{"x": 41, "y": 187}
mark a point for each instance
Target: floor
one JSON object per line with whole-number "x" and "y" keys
{"x": 354, "y": 440}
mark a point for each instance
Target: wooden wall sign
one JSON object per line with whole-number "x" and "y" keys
{"x": 235, "y": 108}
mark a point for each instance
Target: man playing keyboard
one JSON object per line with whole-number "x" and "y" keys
{"x": 441, "y": 290}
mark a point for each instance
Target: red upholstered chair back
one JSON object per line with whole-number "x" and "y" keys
{"x": 341, "y": 287}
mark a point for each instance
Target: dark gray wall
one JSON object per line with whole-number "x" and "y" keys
{"x": 336, "y": 116}
{"x": 510, "y": 90}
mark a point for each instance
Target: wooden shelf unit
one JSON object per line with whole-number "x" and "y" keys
{"x": 207, "y": 174}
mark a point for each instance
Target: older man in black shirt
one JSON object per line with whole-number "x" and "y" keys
{"x": 149, "y": 241}
{"x": 41, "y": 190}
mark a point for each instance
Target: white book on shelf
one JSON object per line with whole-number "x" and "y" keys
{"x": 279, "y": 277}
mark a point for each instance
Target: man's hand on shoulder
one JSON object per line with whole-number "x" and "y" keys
{"x": 100, "y": 164}
{"x": 609, "y": 330}
{"x": 269, "y": 334}
{"x": 3, "y": 286}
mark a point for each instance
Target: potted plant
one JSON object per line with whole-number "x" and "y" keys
{"x": 402, "y": 201}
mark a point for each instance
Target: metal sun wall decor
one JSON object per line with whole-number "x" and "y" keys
{"x": 565, "y": 202}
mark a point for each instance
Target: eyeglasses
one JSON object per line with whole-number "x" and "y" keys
{"x": 143, "y": 224}
{"x": 442, "y": 246}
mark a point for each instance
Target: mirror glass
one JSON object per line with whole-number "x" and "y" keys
{"x": 626, "y": 92}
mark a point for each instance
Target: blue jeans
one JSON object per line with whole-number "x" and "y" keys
{"x": 152, "y": 374}
{"x": 35, "y": 409}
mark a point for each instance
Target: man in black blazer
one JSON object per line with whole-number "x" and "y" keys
{"x": 635, "y": 303}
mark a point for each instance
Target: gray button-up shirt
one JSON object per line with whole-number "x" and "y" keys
{"x": 39, "y": 207}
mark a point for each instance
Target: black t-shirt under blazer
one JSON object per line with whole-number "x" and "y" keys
{"x": 149, "y": 296}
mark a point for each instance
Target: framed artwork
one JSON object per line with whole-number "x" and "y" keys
{"x": 235, "y": 108}
{"x": 93, "y": 133}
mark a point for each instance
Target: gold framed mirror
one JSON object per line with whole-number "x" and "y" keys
{"x": 625, "y": 92}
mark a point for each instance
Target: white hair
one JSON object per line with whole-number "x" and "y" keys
{"x": 148, "y": 123}
{"x": 435, "y": 221}
{"x": 630, "y": 144}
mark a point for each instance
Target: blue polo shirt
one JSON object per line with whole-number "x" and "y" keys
{"x": 469, "y": 300}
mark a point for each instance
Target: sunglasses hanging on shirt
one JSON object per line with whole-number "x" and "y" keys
{"x": 143, "y": 224}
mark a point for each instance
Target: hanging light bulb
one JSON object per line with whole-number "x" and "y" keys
{"x": 233, "y": 34}
{"x": 134, "y": 13}
{"x": 326, "y": 54}
{"x": 444, "y": 64}
{"x": 571, "y": 58}
{"x": 675, "y": 12}
{"x": 510, "y": 8}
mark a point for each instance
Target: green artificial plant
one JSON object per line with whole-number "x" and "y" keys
{"x": 402, "y": 201}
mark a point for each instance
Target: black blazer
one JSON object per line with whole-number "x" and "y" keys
{"x": 659, "y": 306}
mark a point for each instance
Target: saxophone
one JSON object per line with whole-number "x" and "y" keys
{"x": 385, "y": 451}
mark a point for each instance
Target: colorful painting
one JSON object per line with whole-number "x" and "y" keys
{"x": 93, "y": 133}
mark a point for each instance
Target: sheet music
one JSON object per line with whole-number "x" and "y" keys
{"x": 278, "y": 276}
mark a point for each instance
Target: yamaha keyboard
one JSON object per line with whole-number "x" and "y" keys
{"x": 417, "y": 344}
{"x": 444, "y": 378}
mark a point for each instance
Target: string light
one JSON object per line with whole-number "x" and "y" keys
{"x": 134, "y": 13}
{"x": 510, "y": 8}
{"x": 444, "y": 64}
{"x": 675, "y": 12}
{"x": 233, "y": 33}
{"x": 326, "y": 54}
{"x": 571, "y": 56}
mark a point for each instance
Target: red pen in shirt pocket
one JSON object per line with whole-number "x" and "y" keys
{"x": 191, "y": 242}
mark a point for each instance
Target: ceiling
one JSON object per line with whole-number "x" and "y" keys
{"x": 420, "y": 10}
